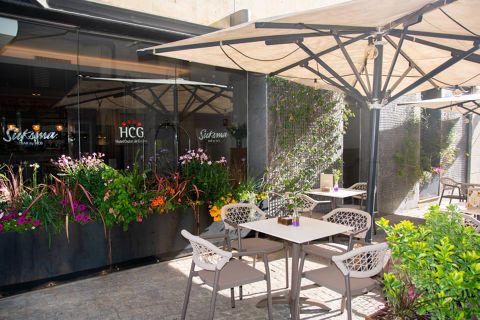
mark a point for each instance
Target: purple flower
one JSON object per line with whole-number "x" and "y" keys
{"x": 28, "y": 220}
{"x": 63, "y": 202}
{"x": 134, "y": 203}
{"x": 21, "y": 220}
{"x": 75, "y": 205}
{"x": 36, "y": 223}
{"x": 85, "y": 219}
{"x": 82, "y": 207}
{"x": 78, "y": 217}
{"x": 411, "y": 293}
{"x": 1, "y": 227}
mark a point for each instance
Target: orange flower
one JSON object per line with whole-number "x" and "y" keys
{"x": 158, "y": 201}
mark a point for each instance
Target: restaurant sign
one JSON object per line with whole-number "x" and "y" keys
{"x": 212, "y": 136}
{"x": 28, "y": 137}
{"x": 130, "y": 131}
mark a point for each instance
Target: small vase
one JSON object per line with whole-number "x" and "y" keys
{"x": 295, "y": 218}
{"x": 335, "y": 187}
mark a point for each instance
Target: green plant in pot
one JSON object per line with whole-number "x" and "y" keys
{"x": 435, "y": 271}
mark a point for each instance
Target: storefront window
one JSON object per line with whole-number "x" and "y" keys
{"x": 91, "y": 93}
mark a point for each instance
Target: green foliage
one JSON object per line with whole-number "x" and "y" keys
{"x": 436, "y": 151}
{"x": 305, "y": 129}
{"x": 126, "y": 198}
{"x": 439, "y": 261}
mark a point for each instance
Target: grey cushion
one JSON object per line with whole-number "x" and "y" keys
{"x": 254, "y": 244}
{"x": 332, "y": 278}
{"x": 235, "y": 273}
{"x": 325, "y": 250}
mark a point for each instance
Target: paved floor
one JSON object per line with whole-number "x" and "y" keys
{"x": 157, "y": 292}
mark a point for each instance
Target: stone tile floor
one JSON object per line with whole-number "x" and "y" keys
{"x": 157, "y": 292}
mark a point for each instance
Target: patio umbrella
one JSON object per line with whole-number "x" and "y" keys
{"x": 374, "y": 51}
{"x": 465, "y": 104}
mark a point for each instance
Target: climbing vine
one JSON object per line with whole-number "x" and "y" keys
{"x": 305, "y": 134}
{"x": 421, "y": 160}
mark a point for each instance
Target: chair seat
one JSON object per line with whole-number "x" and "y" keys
{"x": 332, "y": 278}
{"x": 234, "y": 274}
{"x": 258, "y": 244}
{"x": 325, "y": 250}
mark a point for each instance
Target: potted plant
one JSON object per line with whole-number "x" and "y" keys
{"x": 435, "y": 270}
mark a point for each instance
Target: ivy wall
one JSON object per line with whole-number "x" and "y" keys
{"x": 305, "y": 129}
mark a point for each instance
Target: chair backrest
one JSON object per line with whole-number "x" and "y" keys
{"x": 206, "y": 255}
{"x": 470, "y": 221}
{"x": 276, "y": 205}
{"x": 359, "y": 186}
{"x": 305, "y": 203}
{"x": 446, "y": 181}
{"x": 241, "y": 213}
{"x": 357, "y": 219}
{"x": 363, "y": 262}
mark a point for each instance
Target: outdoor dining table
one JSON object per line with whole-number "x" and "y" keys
{"x": 308, "y": 230}
{"x": 341, "y": 193}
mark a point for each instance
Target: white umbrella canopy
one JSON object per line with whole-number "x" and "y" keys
{"x": 437, "y": 32}
{"x": 465, "y": 104}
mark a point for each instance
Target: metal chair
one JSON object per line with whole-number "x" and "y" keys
{"x": 362, "y": 199}
{"x": 470, "y": 221}
{"x": 220, "y": 271}
{"x": 235, "y": 214}
{"x": 356, "y": 267}
{"x": 277, "y": 205}
{"x": 448, "y": 184}
{"x": 306, "y": 204}
{"x": 359, "y": 220}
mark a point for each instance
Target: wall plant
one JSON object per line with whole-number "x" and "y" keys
{"x": 305, "y": 128}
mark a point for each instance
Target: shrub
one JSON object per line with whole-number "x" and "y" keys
{"x": 437, "y": 265}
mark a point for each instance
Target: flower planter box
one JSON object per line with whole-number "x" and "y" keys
{"x": 32, "y": 256}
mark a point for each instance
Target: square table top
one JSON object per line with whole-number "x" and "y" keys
{"x": 341, "y": 193}
{"x": 308, "y": 230}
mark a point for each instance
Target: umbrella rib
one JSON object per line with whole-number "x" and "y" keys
{"x": 405, "y": 73}
{"x": 394, "y": 62}
{"x": 352, "y": 65}
{"x": 203, "y": 104}
{"x": 326, "y": 27}
{"x": 410, "y": 60}
{"x": 436, "y": 71}
{"x": 469, "y": 110}
{"x": 191, "y": 99}
{"x": 454, "y": 104}
{"x": 324, "y": 52}
{"x": 157, "y": 100}
{"x": 329, "y": 69}
{"x": 472, "y": 58}
{"x": 335, "y": 84}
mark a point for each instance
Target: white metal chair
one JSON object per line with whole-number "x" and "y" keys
{"x": 220, "y": 271}
{"x": 277, "y": 205}
{"x": 470, "y": 221}
{"x": 361, "y": 199}
{"x": 306, "y": 204}
{"x": 359, "y": 220}
{"x": 356, "y": 267}
{"x": 235, "y": 214}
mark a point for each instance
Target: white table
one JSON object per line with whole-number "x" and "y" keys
{"x": 342, "y": 193}
{"x": 309, "y": 230}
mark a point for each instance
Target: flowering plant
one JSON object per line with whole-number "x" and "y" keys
{"x": 171, "y": 193}
{"x": 211, "y": 177}
{"x": 215, "y": 208}
{"x": 17, "y": 221}
{"x": 126, "y": 198}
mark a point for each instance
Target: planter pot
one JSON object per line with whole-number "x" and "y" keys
{"x": 33, "y": 256}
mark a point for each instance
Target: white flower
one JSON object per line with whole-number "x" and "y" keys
{"x": 33, "y": 228}
{"x": 1, "y": 215}
{"x": 19, "y": 213}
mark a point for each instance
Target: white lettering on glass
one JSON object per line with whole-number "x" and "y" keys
{"x": 26, "y": 134}
{"x": 210, "y": 134}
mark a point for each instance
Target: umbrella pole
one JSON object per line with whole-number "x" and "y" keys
{"x": 374, "y": 128}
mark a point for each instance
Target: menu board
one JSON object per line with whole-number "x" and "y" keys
{"x": 473, "y": 198}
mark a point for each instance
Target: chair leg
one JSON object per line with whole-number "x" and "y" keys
{"x": 232, "y": 297}
{"x": 342, "y": 305}
{"x": 187, "y": 292}
{"x": 269, "y": 287}
{"x": 214, "y": 295}
{"x": 441, "y": 197}
{"x": 240, "y": 290}
{"x": 285, "y": 246}
{"x": 349, "y": 297}
{"x": 254, "y": 260}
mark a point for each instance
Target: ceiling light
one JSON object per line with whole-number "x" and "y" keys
{"x": 11, "y": 126}
{"x": 59, "y": 127}
{"x": 36, "y": 127}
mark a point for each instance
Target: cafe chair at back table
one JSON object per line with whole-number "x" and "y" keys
{"x": 352, "y": 273}
{"x": 305, "y": 204}
{"x": 220, "y": 270}
{"x": 469, "y": 221}
{"x": 359, "y": 220}
{"x": 235, "y": 214}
